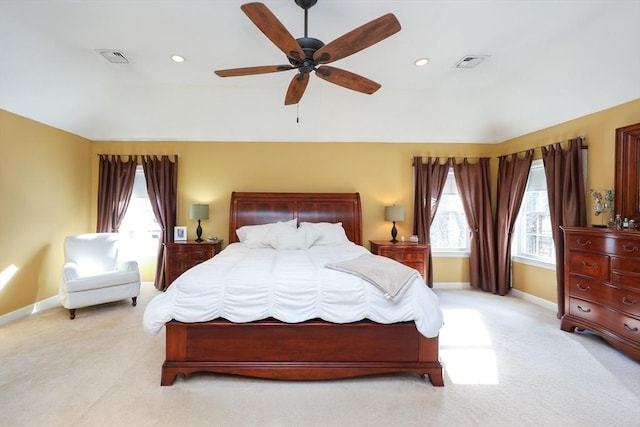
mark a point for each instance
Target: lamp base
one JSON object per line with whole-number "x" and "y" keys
{"x": 199, "y": 233}
{"x": 394, "y": 233}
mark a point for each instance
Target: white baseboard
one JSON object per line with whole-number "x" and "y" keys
{"x": 535, "y": 300}
{"x": 516, "y": 293}
{"x": 451, "y": 285}
{"x": 30, "y": 309}
{"x": 54, "y": 301}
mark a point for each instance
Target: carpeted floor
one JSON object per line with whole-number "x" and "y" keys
{"x": 507, "y": 363}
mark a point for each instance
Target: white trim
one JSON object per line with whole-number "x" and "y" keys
{"x": 30, "y": 309}
{"x": 450, "y": 254}
{"x": 535, "y": 300}
{"x": 451, "y": 285}
{"x": 34, "y": 308}
{"x": 533, "y": 262}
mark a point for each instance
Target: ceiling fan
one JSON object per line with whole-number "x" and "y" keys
{"x": 307, "y": 54}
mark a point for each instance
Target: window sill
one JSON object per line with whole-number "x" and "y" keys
{"x": 534, "y": 262}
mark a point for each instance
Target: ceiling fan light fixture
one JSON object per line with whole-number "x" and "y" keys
{"x": 177, "y": 58}
{"x": 420, "y": 62}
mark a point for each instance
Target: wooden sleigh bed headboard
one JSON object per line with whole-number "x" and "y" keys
{"x": 263, "y": 208}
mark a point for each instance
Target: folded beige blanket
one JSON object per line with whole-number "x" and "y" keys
{"x": 390, "y": 276}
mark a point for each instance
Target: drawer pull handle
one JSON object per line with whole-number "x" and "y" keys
{"x": 587, "y": 265}
{"x": 629, "y": 328}
{"x": 583, "y": 242}
{"x": 618, "y": 278}
{"x": 625, "y": 301}
{"x": 587, "y": 310}
{"x": 583, "y": 288}
{"x": 629, "y": 248}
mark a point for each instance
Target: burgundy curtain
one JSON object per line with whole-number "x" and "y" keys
{"x": 566, "y": 192}
{"x": 513, "y": 173}
{"x": 430, "y": 179}
{"x": 115, "y": 185}
{"x": 161, "y": 175}
{"x": 474, "y": 187}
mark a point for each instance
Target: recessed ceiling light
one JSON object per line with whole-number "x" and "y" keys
{"x": 420, "y": 62}
{"x": 177, "y": 58}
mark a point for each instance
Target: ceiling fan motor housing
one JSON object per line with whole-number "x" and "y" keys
{"x": 306, "y": 4}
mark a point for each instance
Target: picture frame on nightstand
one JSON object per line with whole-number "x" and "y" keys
{"x": 179, "y": 233}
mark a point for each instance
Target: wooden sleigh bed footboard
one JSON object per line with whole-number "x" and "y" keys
{"x": 311, "y": 350}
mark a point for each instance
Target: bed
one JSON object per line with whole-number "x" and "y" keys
{"x": 312, "y": 349}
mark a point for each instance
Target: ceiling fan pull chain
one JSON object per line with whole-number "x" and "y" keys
{"x": 298, "y": 112}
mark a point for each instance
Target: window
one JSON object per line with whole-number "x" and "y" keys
{"x": 533, "y": 239}
{"x": 139, "y": 223}
{"x": 449, "y": 231}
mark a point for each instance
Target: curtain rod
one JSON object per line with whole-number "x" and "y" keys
{"x": 582, "y": 146}
{"x": 451, "y": 157}
{"x": 132, "y": 155}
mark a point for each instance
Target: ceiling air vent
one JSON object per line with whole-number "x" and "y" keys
{"x": 470, "y": 61}
{"x": 114, "y": 56}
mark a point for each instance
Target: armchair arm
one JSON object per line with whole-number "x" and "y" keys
{"x": 127, "y": 266}
{"x": 70, "y": 271}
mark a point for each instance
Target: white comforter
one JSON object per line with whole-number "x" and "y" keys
{"x": 243, "y": 285}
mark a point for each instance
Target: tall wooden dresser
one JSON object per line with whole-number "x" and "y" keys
{"x": 602, "y": 285}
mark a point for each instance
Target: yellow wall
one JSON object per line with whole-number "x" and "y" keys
{"x": 48, "y": 184}
{"x": 45, "y": 188}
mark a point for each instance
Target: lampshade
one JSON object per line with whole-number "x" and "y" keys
{"x": 393, "y": 213}
{"x": 199, "y": 212}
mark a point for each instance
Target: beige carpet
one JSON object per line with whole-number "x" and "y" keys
{"x": 507, "y": 363}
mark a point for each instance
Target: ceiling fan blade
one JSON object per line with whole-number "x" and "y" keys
{"x": 267, "y": 22}
{"x": 358, "y": 39}
{"x": 296, "y": 89}
{"x": 248, "y": 71}
{"x": 347, "y": 79}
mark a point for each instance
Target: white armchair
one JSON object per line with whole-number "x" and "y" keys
{"x": 93, "y": 274}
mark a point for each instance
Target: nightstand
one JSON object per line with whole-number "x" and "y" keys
{"x": 412, "y": 255}
{"x": 181, "y": 256}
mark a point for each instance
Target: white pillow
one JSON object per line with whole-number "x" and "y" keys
{"x": 330, "y": 233}
{"x": 260, "y": 236}
{"x": 293, "y": 239}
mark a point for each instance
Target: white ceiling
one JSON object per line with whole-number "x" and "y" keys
{"x": 550, "y": 61}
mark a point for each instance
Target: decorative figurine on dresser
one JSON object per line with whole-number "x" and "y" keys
{"x": 602, "y": 285}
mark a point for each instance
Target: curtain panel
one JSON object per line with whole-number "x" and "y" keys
{"x": 513, "y": 173}
{"x": 566, "y": 191}
{"x": 115, "y": 185}
{"x": 161, "y": 175}
{"x": 474, "y": 186}
{"x": 430, "y": 178}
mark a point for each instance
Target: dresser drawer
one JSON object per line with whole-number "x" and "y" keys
{"x": 620, "y": 278}
{"x": 621, "y": 299}
{"x": 627, "y": 247}
{"x": 631, "y": 265}
{"x": 593, "y": 265}
{"x": 589, "y": 243}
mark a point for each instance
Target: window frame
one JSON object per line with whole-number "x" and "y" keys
{"x": 517, "y": 239}
{"x": 451, "y": 252}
